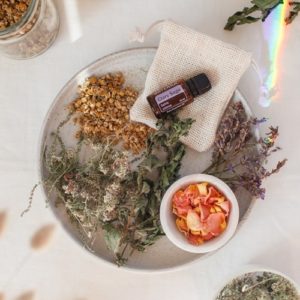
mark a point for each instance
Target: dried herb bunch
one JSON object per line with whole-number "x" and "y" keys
{"x": 260, "y": 10}
{"x": 107, "y": 191}
{"x": 259, "y": 285}
{"x": 238, "y": 157}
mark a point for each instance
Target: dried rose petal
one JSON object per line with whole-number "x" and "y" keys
{"x": 204, "y": 211}
{"x": 223, "y": 225}
{"x": 179, "y": 199}
{"x": 225, "y": 206}
{"x": 202, "y": 188}
{"x": 214, "y": 222}
{"x": 196, "y": 201}
{"x": 196, "y": 232}
{"x": 181, "y": 211}
{"x": 216, "y": 209}
{"x": 193, "y": 221}
{"x": 191, "y": 192}
{"x": 195, "y": 239}
{"x": 213, "y": 192}
{"x": 213, "y": 200}
{"x": 181, "y": 225}
{"x": 207, "y": 236}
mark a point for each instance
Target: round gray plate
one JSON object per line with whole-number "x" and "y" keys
{"x": 134, "y": 63}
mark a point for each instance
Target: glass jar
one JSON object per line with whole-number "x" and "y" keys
{"x": 33, "y": 33}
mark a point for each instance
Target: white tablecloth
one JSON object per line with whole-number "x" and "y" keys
{"x": 64, "y": 271}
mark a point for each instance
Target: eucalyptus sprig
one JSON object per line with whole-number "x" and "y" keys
{"x": 260, "y": 10}
{"x": 263, "y": 7}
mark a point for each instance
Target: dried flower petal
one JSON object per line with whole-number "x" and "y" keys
{"x": 181, "y": 211}
{"x": 3, "y": 221}
{"x": 193, "y": 221}
{"x": 214, "y": 223}
{"x": 225, "y": 206}
{"x": 102, "y": 110}
{"x": 42, "y": 237}
{"x": 204, "y": 211}
{"x": 238, "y": 158}
{"x": 191, "y": 193}
{"x": 29, "y": 295}
{"x": 202, "y": 188}
{"x": 195, "y": 239}
{"x": 181, "y": 225}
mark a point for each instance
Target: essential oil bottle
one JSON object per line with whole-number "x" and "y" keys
{"x": 178, "y": 94}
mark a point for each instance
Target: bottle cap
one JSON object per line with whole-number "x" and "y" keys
{"x": 199, "y": 84}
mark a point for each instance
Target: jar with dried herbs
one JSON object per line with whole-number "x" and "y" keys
{"x": 27, "y": 27}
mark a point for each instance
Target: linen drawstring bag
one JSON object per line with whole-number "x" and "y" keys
{"x": 184, "y": 53}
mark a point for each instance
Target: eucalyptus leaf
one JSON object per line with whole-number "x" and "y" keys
{"x": 112, "y": 237}
{"x": 260, "y": 10}
{"x": 164, "y": 178}
{"x": 266, "y": 4}
{"x": 242, "y": 17}
{"x": 146, "y": 188}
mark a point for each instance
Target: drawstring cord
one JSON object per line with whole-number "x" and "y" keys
{"x": 139, "y": 36}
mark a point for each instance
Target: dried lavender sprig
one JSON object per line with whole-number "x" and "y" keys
{"x": 238, "y": 157}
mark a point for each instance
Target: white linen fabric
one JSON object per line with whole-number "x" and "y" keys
{"x": 184, "y": 53}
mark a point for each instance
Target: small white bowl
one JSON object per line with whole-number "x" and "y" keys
{"x": 167, "y": 218}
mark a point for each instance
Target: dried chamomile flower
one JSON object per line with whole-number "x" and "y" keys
{"x": 102, "y": 110}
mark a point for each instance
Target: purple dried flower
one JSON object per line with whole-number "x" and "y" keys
{"x": 257, "y": 121}
{"x": 230, "y": 168}
{"x": 233, "y": 133}
{"x": 238, "y": 158}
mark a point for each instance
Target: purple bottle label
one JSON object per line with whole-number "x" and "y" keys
{"x": 171, "y": 99}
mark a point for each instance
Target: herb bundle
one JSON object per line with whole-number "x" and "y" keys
{"x": 260, "y": 10}
{"x": 106, "y": 192}
{"x": 238, "y": 157}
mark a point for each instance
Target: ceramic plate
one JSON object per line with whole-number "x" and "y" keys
{"x": 134, "y": 63}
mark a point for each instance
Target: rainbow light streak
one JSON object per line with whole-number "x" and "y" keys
{"x": 73, "y": 19}
{"x": 274, "y": 32}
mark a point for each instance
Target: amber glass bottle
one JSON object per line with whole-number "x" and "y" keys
{"x": 178, "y": 94}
